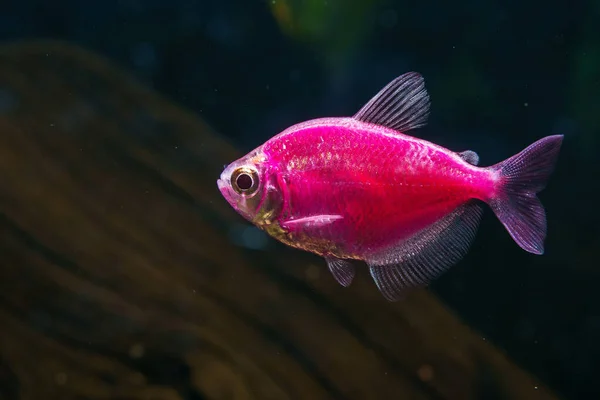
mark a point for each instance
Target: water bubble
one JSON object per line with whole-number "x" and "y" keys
{"x": 388, "y": 19}
{"x": 144, "y": 56}
{"x": 249, "y": 237}
{"x": 136, "y": 351}
{"x": 8, "y": 101}
{"x": 61, "y": 378}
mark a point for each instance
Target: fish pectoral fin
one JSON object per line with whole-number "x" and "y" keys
{"x": 342, "y": 270}
{"x": 416, "y": 261}
{"x": 314, "y": 221}
{"x": 469, "y": 156}
{"x": 402, "y": 105}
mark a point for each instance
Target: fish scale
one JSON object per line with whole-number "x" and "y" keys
{"x": 360, "y": 188}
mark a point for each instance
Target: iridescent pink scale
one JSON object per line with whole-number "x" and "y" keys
{"x": 387, "y": 186}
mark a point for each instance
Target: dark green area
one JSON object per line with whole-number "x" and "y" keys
{"x": 501, "y": 75}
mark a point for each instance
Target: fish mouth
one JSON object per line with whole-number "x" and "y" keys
{"x": 224, "y": 188}
{"x": 220, "y": 184}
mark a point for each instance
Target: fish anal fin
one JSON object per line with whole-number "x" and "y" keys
{"x": 416, "y": 261}
{"x": 342, "y": 270}
{"x": 469, "y": 156}
{"x": 402, "y": 105}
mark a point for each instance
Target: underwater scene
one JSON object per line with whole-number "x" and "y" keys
{"x": 299, "y": 199}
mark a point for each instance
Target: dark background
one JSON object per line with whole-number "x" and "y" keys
{"x": 501, "y": 74}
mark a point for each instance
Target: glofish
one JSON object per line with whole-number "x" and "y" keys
{"x": 360, "y": 188}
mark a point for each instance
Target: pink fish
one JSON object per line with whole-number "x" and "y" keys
{"x": 359, "y": 188}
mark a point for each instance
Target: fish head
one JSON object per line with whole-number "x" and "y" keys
{"x": 250, "y": 187}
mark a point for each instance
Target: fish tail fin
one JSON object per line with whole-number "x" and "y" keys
{"x": 515, "y": 203}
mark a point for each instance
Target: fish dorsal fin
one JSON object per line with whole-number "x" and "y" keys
{"x": 402, "y": 105}
{"x": 416, "y": 261}
{"x": 470, "y": 156}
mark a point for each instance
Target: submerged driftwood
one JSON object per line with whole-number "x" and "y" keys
{"x": 119, "y": 280}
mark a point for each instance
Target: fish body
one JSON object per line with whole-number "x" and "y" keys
{"x": 386, "y": 186}
{"x": 360, "y": 188}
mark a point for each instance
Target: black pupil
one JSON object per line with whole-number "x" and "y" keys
{"x": 244, "y": 181}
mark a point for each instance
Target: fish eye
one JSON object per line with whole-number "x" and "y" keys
{"x": 244, "y": 181}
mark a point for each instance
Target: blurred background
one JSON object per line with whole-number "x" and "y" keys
{"x": 501, "y": 74}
